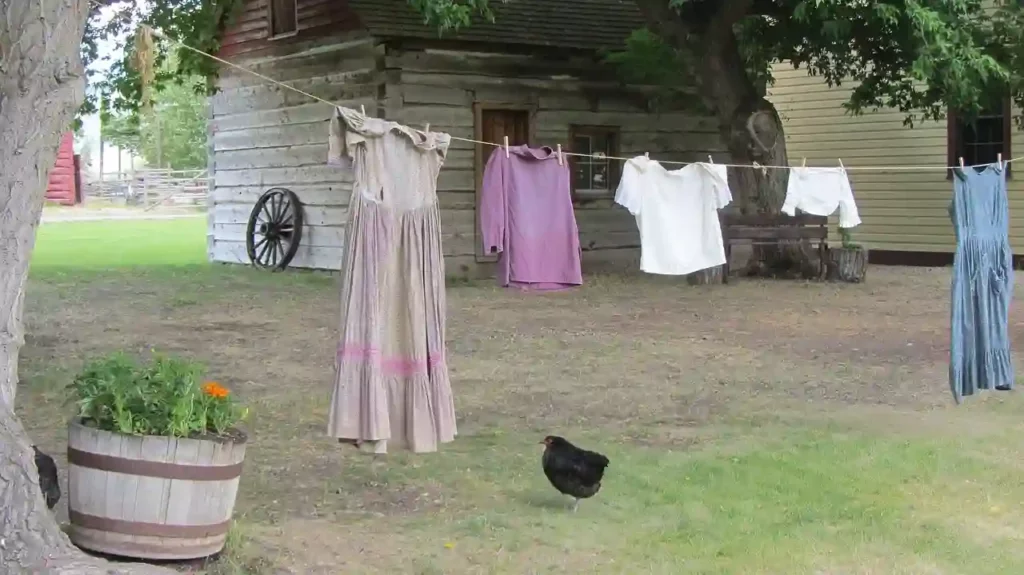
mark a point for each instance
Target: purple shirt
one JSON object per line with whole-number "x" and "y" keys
{"x": 526, "y": 215}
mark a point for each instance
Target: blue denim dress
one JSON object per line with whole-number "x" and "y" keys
{"x": 979, "y": 355}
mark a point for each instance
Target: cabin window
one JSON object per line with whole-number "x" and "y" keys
{"x": 980, "y": 140}
{"x": 284, "y": 17}
{"x": 594, "y": 177}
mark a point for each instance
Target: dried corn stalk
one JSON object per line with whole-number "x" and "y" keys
{"x": 144, "y": 61}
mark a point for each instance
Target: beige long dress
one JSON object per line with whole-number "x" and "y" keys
{"x": 392, "y": 382}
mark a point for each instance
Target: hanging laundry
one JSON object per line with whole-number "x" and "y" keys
{"x": 526, "y": 216}
{"x": 677, "y": 214}
{"x": 392, "y": 383}
{"x": 819, "y": 192}
{"x": 979, "y": 355}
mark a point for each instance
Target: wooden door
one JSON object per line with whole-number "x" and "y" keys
{"x": 497, "y": 124}
{"x": 493, "y": 125}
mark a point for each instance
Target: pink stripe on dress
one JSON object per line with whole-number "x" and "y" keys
{"x": 403, "y": 366}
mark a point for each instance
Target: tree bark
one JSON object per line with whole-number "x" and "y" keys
{"x": 42, "y": 83}
{"x": 749, "y": 125}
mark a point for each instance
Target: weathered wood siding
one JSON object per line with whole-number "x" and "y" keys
{"x": 440, "y": 87}
{"x": 901, "y": 210}
{"x": 150, "y": 497}
{"x": 264, "y": 135}
{"x": 319, "y": 22}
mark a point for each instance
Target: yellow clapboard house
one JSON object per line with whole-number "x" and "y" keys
{"x": 904, "y": 213}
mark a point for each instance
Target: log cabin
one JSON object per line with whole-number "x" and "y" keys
{"x": 537, "y": 74}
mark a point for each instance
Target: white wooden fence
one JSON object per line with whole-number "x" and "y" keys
{"x": 152, "y": 188}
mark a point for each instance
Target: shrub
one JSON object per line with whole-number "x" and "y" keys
{"x": 165, "y": 397}
{"x": 847, "y": 238}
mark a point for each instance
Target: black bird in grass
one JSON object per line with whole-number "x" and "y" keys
{"x": 48, "y": 482}
{"x": 573, "y": 471}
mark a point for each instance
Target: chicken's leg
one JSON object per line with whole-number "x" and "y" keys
{"x": 575, "y": 504}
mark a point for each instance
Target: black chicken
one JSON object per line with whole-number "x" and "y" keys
{"x": 573, "y": 471}
{"x": 48, "y": 482}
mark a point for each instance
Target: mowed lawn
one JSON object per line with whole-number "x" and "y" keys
{"x": 105, "y": 244}
{"x": 758, "y": 428}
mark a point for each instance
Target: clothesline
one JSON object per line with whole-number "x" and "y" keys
{"x": 758, "y": 166}
{"x": 755, "y": 165}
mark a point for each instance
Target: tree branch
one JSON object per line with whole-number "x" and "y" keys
{"x": 704, "y": 32}
{"x": 731, "y": 12}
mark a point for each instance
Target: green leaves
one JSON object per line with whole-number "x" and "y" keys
{"x": 647, "y": 59}
{"x": 197, "y": 23}
{"x": 917, "y": 56}
{"x": 452, "y": 14}
{"x": 172, "y": 132}
{"x": 163, "y": 398}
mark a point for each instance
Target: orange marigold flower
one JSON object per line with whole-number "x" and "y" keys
{"x": 214, "y": 389}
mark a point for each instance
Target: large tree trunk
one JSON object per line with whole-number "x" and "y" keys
{"x": 749, "y": 124}
{"x": 41, "y": 85}
{"x": 755, "y": 136}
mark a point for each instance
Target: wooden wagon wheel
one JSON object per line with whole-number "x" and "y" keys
{"x": 275, "y": 229}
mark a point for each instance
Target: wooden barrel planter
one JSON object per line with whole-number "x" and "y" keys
{"x": 149, "y": 497}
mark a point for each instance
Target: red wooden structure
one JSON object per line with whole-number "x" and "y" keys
{"x": 65, "y": 185}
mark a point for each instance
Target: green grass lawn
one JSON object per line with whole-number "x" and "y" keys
{"x": 93, "y": 245}
{"x": 795, "y": 500}
{"x": 746, "y": 434}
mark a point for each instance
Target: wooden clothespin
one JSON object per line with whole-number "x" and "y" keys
{"x": 961, "y": 163}
{"x": 506, "y": 146}
{"x": 841, "y": 163}
{"x": 999, "y": 158}
{"x": 362, "y": 108}
{"x": 804, "y": 164}
{"x": 426, "y": 128}
{"x": 711, "y": 160}
{"x": 560, "y": 162}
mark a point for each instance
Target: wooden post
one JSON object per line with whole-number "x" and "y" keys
{"x": 101, "y": 156}
{"x": 159, "y": 143}
{"x": 847, "y": 264}
{"x": 77, "y": 197}
{"x": 211, "y": 169}
{"x": 709, "y": 276}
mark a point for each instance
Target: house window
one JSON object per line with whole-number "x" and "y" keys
{"x": 284, "y": 17}
{"x": 981, "y": 140}
{"x": 594, "y": 177}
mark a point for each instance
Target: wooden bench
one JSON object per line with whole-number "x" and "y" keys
{"x": 773, "y": 229}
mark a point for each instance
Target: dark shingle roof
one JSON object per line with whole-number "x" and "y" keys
{"x": 581, "y": 24}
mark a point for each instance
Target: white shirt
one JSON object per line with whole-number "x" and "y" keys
{"x": 677, "y": 214}
{"x": 819, "y": 191}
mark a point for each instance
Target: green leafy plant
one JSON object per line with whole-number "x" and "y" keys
{"x": 166, "y": 396}
{"x": 847, "y": 237}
